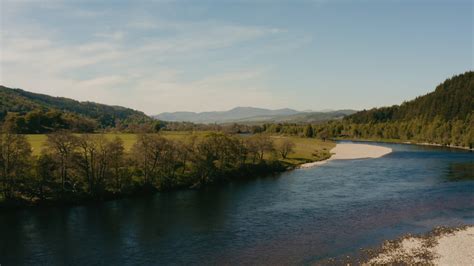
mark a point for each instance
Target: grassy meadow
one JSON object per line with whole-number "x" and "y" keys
{"x": 38, "y": 141}
{"x": 305, "y": 150}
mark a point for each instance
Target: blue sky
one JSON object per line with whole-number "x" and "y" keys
{"x": 159, "y": 56}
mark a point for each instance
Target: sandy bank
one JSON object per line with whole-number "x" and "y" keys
{"x": 347, "y": 151}
{"x": 441, "y": 247}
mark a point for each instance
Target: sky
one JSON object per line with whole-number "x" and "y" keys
{"x": 162, "y": 56}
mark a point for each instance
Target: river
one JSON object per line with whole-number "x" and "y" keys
{"x": 298, "y": 217}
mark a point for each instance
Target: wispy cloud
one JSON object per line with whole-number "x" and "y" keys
{"x": 180, "y": 55}
{"x": 148, "y": 63}
{"x": 211, "y": 93}
{"x": 114, "y": 36}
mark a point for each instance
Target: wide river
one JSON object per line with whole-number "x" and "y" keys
{"x": 298, "y": 217}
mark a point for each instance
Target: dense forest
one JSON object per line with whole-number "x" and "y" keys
{"x": 27, "y": 112}
{"x": 453, "y": 100}
{"x": 445, "y": 116}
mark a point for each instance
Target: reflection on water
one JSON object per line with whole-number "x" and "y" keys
{"x": 298, "y": 217}
{"x": 460, "y": 171}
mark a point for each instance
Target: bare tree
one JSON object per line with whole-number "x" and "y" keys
{"x": 285, "y": 148}
{"x": 44, "y": 168}
{"x": 259, "y": 145}
{"x": 15, "y": 154}
{"x": 86, "y": 158}
{"x": 186, "y": 150}
{"x": 116, "y": 155}
{"x": 62, "y": 145}
{"x": 94, "y": 161}
{"x": 149, "y": 152}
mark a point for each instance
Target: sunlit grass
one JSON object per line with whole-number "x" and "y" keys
{"x": 305, "y": 150}
{"x": 38, "y": 141}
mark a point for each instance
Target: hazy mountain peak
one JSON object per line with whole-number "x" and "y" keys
{"x": 243, "y": 114}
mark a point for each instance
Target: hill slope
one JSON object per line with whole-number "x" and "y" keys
{"x": 20, "y": 103}
{"x": 452, "y": 100}
{"x": 445, "y": 116}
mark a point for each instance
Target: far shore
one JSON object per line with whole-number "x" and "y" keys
{"x": 350, "y": 151}
{"x": 438, "y": 145}
{"x": 398, "y": 141}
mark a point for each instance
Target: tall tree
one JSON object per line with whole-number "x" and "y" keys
{"x": 285, "y": 148}
{"x": 308, "y": 131}
{"x": 62, "y": 144}
{"x": 258, "y": 145}
{"x": 94, "y": 160}
{"x": 15, "y": 153}
{"x": 117, "y": 162}
{"x": 149, "y": 152}
{"x": 45, "y": 167}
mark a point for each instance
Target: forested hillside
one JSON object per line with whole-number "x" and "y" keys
{"x": 29, "y": 112}
{"x": 452, "y": 100}
{"x": 445, "y": 117}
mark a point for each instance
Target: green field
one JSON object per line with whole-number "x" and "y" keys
{"x": 305, "y": 149}
{"x": 37, "y": 141}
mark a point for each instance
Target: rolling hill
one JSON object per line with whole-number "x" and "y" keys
{"x": 24, "y": 105}
{"x": 253, "y": 115}
{"x": 235, "y": 114}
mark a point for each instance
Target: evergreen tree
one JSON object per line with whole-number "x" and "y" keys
{"x": 308, "y": 131}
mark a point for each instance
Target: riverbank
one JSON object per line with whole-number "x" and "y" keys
{"x": 193, "y": 170}
{"x": 442, "y": 246}
{"x": 439, "y": 145}
{"x": 350, "y": 151}
{"x": 248, "y": 171}
{"x": 398, "y": 141}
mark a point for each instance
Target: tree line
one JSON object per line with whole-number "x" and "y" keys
{"x": 438, "y": 131}
{"x": 39, "y": 121}
{"x": 445, "y": 117}
{"x": 91, "y": 166}
{"x": 452, "y": 100}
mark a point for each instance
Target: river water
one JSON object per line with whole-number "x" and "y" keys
{"x": 298, "y": 217}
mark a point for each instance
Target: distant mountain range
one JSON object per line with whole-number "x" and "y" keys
{"x": 69, "y": 113}
{"x": 253, "y": 115}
